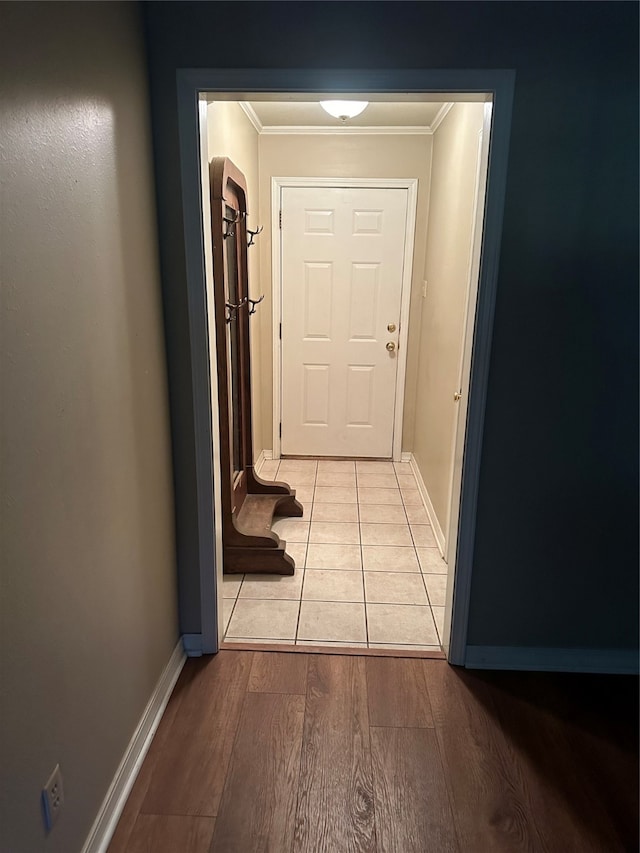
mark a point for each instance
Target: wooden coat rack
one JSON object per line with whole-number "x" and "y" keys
{"x": 249, "y": 504}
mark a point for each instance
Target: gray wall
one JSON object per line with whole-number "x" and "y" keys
{"x": 556, "y": 545}
{"x": 88, "y": 607}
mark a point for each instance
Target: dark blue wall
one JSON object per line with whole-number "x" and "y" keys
{"x": 556, "y": 558}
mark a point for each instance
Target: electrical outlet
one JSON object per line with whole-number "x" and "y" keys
{"x": 52, "y": 798}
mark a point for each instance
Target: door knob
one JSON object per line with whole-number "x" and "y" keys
{"x": 457, "y": 395}
{"x": 391, "y": 346}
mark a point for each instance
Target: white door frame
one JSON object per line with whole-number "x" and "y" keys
{"x": 251, "y": 83}
{"x": 277, "y": 185}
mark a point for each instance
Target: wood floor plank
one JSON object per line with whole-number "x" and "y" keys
{"x": 569, "y": 812}
{"x": 335, "y": 800}
{"x": 397, "y": 693}
{"x": 413, "y": 813}
{"x": 278, "y": 673}
{"x": 258, "y": 806}
{"x": 138, "y": 793}
{"x": 489, "y": 797}
{"x": 170, "y": 834}
{"x": 188, "y": 777}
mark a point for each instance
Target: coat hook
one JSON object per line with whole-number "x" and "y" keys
{"x": 255, "y": 302}
{"x": 232, "y": 310}
{"x": 254, "y": 234}
{"x": 231, "y": 231}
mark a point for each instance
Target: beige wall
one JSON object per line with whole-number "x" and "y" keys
{"x": 88, "y": 606}
{"x": 453, "y": 178}
{"x": 319, "y": 156}
{"x": 232, "y": 135}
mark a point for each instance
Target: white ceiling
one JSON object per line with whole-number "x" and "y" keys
{"x": 311, "y": 114}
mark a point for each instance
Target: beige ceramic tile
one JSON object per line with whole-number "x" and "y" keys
{"x": 411, "y": 497}
{"x": 297, "y": 465}
{"x": 335, "y": 512}
{"x": 332, "y": 585}
{"x": 417, "y": 515}
{"x": 383, "y": 558}
{"x": 268, "y": 471}
{"x": 406, "y": 647}
{"x": 227, "y": 609}
{"x": 438, "y": 615}
{"x": 291, "y": 529}
{"x": 272, "y": 586}
{"x": 406, "y": 481}
{"x": 423, "y": 536}
{"x": 268, "y": 640}
{"x": 335, "y": 495}
{"x": 385, "y": 534}
{"x": 337, "y": 465}
{"x": 297, "y": 550}
{"x": 304, "y": 495}
{"x": 375, "y": 514}
{"x": 334, "y": 533}
{"x": 394, "y": 588}
{"x": 331, "y": 643}
{"x": 431, "y": 561}
{"x": 336, "y": 620}
{"x": 402, "y": 468}
{"x": 401, "y": 623}
{"x": 365, "y": 467}
{"x": 264, "y": 619}
{"x": 380, "y": 497}
{"x": 231, "y": 585}
{"x": 346, "y": 557}
{"x": 295, "y": 479}
{"x": 377, "y": 481}
{"x": 437, "y": 589}
{"x": 336, "y": 478}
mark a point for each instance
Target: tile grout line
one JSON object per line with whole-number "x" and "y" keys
{"x": 364, "y": 590}
{"x": 304, "y": 572}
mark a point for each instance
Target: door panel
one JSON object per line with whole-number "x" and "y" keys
{"x": 342, "y": 269}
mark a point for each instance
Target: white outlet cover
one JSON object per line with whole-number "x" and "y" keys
{"x": 53, "y": 798}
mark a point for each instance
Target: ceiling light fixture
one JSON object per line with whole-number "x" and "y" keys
{"x": 344, "y": 109}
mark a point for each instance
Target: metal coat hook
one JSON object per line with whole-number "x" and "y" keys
{"x": 230, "y": 230}
{"x": 254, "y": 302}
{"x": 251, "y": 240}
{"x": 232, "y": 310}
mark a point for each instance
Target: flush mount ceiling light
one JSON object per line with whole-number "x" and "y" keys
{"x": 344, "y": 109}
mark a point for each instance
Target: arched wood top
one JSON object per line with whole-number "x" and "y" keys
{"x": 225, "y": 175}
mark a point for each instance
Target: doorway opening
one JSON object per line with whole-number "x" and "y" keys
{"x": 435, "y": 527}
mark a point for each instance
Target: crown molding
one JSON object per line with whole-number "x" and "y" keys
{"x": 328, "y": 130}
{"x": 251, "y": 114}
{"x": 440, "y": 116}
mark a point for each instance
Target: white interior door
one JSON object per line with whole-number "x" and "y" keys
{"x": 342, "y": 271}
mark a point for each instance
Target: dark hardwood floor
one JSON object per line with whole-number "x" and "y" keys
{"x": 310, "y": 753}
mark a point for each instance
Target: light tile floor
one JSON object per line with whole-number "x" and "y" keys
{"x": 368, "y": 570}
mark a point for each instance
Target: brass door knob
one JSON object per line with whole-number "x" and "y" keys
{"x": 391, "y": 346}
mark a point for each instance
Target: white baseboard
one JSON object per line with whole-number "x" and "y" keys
{"x": 605, "y": 661}
{"x": 433, "y": 518}
{"x": 105, "y": 823}
{"x": 265, "y": 456}
{"x": 259, "y": 462}
{"x": 405, "y": 456}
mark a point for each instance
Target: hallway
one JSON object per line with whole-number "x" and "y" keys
{"x": 325, "y": 753}
{"x": 368, "y": 570}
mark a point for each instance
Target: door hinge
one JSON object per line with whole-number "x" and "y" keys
{"x": 280, "y": 219}
{"x": 280, "y": 331}
{"x": 280, "y": 429}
